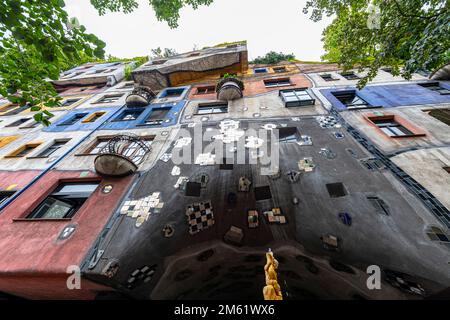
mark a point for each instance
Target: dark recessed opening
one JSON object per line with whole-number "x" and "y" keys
{"x": 336, "y": 190}
{"x": 193, "y": 189}
{"x": 227, "y": 164}
{"x": 288, "y": 134}
{"x": 262, "y": 193}
{"x": 341, "y": 267}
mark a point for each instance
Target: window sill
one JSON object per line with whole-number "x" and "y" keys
{"x": 41, "y": 220}
{"x": 409, "y": 136}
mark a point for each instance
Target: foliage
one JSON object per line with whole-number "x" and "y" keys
{"x": 37, "y": 41}
{"x": 165, "y": 10}
{"x": 163, "y": 53}
{"x": 410, "y": 33}
{"x": 226, "y": 44}
{"x": 273, "y": 57}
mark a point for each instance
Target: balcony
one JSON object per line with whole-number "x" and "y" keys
{"x": 121, "y": 155}
{"x": 140, "y": 97}
{"x": 229, "y": 89}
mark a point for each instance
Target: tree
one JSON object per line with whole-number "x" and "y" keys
{"x": 273, "y": 57}
{"x": 412, "y": 34}
{"x": 163, "y": 53}
{"x": 37, "y": 41}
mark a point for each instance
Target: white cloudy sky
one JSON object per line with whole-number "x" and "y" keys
{"x": 266, "y": 25}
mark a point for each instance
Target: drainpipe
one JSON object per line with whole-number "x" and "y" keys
{"x": 51, "y": 166}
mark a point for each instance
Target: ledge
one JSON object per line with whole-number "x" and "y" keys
{"x": 41, "y": 220}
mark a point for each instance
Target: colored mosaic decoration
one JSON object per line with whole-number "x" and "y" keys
{"x": 141, "y": 209}
{"x": 328, "y": 122}
{"x": 200, "y": 216}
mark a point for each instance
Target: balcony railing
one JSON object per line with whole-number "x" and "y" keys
{"x": 122, "y": 155}
{"x": 140, "y": 97}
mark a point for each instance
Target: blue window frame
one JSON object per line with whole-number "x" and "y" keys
{"x": 129, "y": 115}
{"x": 172, "y": 92}
{"x": 74, "y": 119}
{"x": 260, "y": 70}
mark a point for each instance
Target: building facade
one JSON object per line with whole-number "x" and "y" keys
{"x": 161, "y": 187}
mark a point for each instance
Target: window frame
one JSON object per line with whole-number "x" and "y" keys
{"x": 118, "y": 96}
{"x": 266, "y": 70}
{"x": 352, "y": 106}
{"x": 207, "y": 89}
{"x": 30, "y": 146}
{"x": 120, "y": 117}
{"x": 93, "y": 117}
{"x": 51, "y": 146}
{"x": 158, "y": 121}
{"x": 70, "y": 121}
{"x": 279, "y": 82}
{"x": 350, "y": 75}
{"x": 212, "y": 106}
{"x": 398, "y": 125}
{"x": 299, "y": 102}
{"x": 436, "y": 87}
{"x": 9, "y": 193}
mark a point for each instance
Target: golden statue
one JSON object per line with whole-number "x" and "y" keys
{"x": 272, "y": 290}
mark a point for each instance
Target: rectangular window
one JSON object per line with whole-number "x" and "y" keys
{"x": 69, "y": 102}
{"x": 65, "y": 201}
{"x": 435, "y": 86}
{"x": 279, "y": 69}
{"x": 260, "y": 70}
{"x": 296, "y": 97}
{"x": 442, "y": 115}
{"x": 379, "y": 205}
{"x": 5, "y": 195}
{"x": 206, "y": 90}
{"x": 351, "y": 100}
{"x": 280, "y": 82}
{"x": 350, "y": 75}
{"x": 127, "y": 85}
{"x": 172, "y": 93}
{"x": 129, "y": 115}
{"x": 157, "y": 116}
{"x": 109, "y": 98}
{"x": 94, "y": 117}
{"x": 390, "y": 127}
{"x": 17, "y": 122}
{"x": 328, "y": 77}
{"x": 57, "y": 144}
{"x": 289, "y": 134}
{"x": 74, "y": 119}
{"x": 212, "y": 108}
{"x": 98, "y": 145}
{"x": 23, "y": 151}
{"x": 160, "y": 61}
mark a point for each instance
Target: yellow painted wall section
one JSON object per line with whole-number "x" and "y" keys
{"x": 6, "y": 140}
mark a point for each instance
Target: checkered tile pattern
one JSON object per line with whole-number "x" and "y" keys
{"x": 328, "y": 122}
{"x": 200, "y": 216}
{"x": 140, "y": 276}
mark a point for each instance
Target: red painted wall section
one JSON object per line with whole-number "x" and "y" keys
{"x": 31, "y": 248}
{"x": 256, "y": 86}
{"x": 18, "y": 178}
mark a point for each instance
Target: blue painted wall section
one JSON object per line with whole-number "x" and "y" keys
{"x": 80, "y": 125}
{"x": 389, "y": 96}
{"x": 170, "y": 119}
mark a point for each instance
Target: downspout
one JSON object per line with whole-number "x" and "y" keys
{"x": 51, "y": 166}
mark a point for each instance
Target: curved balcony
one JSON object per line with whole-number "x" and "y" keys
{"x": 229, "y": 89}
{"x": 140, "y": 97}
{"x": 122, "y": 155}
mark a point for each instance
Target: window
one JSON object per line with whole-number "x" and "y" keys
{"x": 18, "y": 122}
{"x": 390, "y": 127}
{"x": 212, "y": 108}
{"x": 328, "y": 77}
{"x": 194, "y": 54}
{"x": 336, "y": 190}
{"x": 279, "y": 69}
{"x": 436, "y": 234}
{"x": 379, "y": 205}
{"x": 160, "y": 61}
{"x": 351, "y": 100}
{"x": 97, "y": 71}
{"x": 72, "y": 75}
{"x": 289, "y": 134}
{"x": 129, "y": 115}
{"x": 260, "y": 70}
{"x": 8, "y": 107}
{"x": 65, "y": 201}
{"x": 74, "y": 119}
{"x": 57, "y": 144}
{"x": 172, "y": 93}
{"x": 157, "y": 116}
{"x": 94, "y": 117}
{"x": 109, "y": 98}
{"x": 69, "y": 102}
{"x": 98, "y": 145}
{"x": 446, "y": 169}
{"x": 296, "y": 97}
{"x": 206, "y": 90}
{"x": 435, "y": 86}
{"x": 442, "y": 115}
{"x": 280, "y": 82}
{"x": 23, "y": 151}
{"x": 5, "y": 195}
{"x": 350, "y": 75}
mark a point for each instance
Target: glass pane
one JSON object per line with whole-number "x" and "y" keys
{"x": 55, "y": 210}
{"x": 88, "y": 187}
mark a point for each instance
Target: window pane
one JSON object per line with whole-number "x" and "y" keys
{"x": 53, "y": 209}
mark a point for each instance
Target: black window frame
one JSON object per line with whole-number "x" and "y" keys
{"x": 221, "y": 106}
{"x": 277, "y": 82}
{"x": 391, "y": 127}
{"x": 345, "y": 95}
{"x": 150, "y": 121}
{"x": 74, "y": 119}
{"x": 55, "y": 146}
{"x": 73, "y": 200}
{"x": 328, "y": 77}
{"x": 299, "y": 102}
{"x": 123, "y": 114}
{"x": 435, "y": 86}
{"x": 115, "y": 96}
{"x": 5, "y": 195}
{"x": 17, "y": 123}
{"x": 350, "y": 75}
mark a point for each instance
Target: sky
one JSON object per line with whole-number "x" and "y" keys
{"x": 267, "y": 25}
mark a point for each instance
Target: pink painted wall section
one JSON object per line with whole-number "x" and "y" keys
{"x": 16, "y": 179}
{"x": 31, "y": 248}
